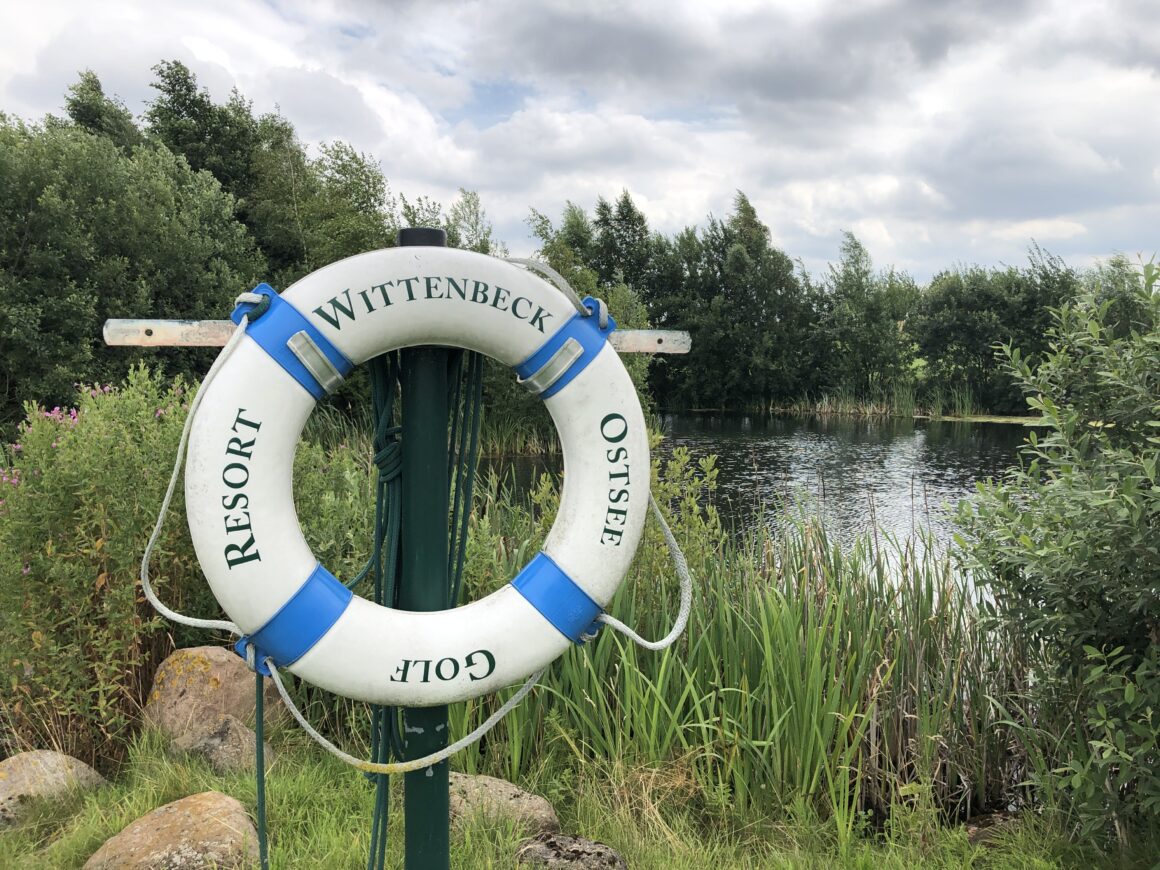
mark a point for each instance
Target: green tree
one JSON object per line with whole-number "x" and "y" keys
{"x": 861, "y": 324}
{"x": 88, "y": 232}
{"x": 349, "y": 209}
{"x": 740, "y": 298}
{"x": 89, "y": 108}
{"x": 217, "y": 138}
{"x": 965, "y": 314}
{"x": 620, "y": 247}
{"x": 468, "y": 227}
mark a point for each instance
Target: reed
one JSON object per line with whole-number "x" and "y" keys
{"x": 846, "y": 682}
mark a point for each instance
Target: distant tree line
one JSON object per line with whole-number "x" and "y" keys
{"x": 767, "y": 334}
{"x": 173, "y": 213}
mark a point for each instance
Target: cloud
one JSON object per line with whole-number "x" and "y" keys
{"x": 938, "y": 132}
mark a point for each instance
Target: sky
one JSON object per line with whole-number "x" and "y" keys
{"x": 939, "y": 133}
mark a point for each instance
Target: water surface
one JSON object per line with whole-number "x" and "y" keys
{"x": 894, "y": 474}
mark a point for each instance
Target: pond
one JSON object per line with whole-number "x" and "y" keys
{"x": 856, "y": 473}
{"x": 896, "y": 474}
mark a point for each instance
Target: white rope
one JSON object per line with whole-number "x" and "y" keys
{"x": 686, "y": 606}
{"x": 562, "y": 283}
{"x": 412, "y": 763}
{"x": 494, "y": 719}
{"x": 146, "y": 586}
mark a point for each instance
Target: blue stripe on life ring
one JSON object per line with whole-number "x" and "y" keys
{"x": 557, "y": 597}
{"x": 274, "y": 328}
{"x": 301, "y": 622}
{"x": 584, "y": 329}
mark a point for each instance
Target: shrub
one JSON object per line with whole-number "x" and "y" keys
{"x": 81, "y": 490}
{"x": 1068, "y": 545}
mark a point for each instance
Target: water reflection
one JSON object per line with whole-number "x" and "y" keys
{"x": 855, "y": 473}
{"x": 895, "y": 474}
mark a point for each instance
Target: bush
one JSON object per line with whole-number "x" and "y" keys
{"x": 1068, "y": 546}
{"x": 80, "y": 493}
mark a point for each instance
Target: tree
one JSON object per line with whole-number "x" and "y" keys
{"x": 741, "y": 300}
{"x": 467, "y": 226}
{"x": 861, "y": 324}
{"x": 89, "y": 231}
{"x": 220, "y": 139}
{"x": 964, "y": 315}
{"x": 89, "y": 108}
{"x": 620, "y": 246}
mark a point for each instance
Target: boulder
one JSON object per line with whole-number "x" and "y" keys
{"x": 225, "y": 742}
{"x": 500, "y": 800}
{"x": 562, "y": 851}
{"x": 197, "y": 685}
{"x": 200, "y": 831}
{"x": 40, "y": 773}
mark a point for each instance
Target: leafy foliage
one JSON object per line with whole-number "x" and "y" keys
{"x": 90, "y": 231}
{"x": 964, "y": 313}
{"x": 1069, "y": 543}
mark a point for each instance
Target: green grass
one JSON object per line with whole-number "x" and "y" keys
{"x": 319, "y": 816}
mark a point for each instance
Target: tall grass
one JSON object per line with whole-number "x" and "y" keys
{"x": 897, "y": 400}
{"x": 957, "y": 401}
{"x": 845, "y": 682}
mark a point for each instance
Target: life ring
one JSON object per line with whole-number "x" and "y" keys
{"x": 239, "y": 498}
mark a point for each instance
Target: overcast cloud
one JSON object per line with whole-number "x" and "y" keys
{"x": 938, "y": 132}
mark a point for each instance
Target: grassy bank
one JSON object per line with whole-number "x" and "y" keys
{"x": 319, "y": 810}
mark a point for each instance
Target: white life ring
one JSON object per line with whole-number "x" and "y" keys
{"x": 238, "y": 479}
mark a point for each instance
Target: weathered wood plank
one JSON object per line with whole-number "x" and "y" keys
{"x": 215, "y": 333}
{"x": 168, "y": 333}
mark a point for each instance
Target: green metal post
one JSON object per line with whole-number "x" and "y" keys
{"x": 424, "y": 582}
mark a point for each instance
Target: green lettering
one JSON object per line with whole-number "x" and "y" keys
{"x": 244, "y": 422}
{"x": 538, "y": 318}
{"x": 382, "y": 288}
{"x": 404, "y": 667}
{"x": 470, "y": 662}
{"x": 238, "y": 447}
{"x": 614, "y": 436}
{"x": 611, "y": 536}
{"x": 336, "y": 308}
{"x": 241, "y": 524}
{"x": 242, "y": 554}
{"x": 453, "y": 285}
{"x": 410, "y": 291}
{"x": 236, "y": 483}
{"x": 612, "y": 513}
